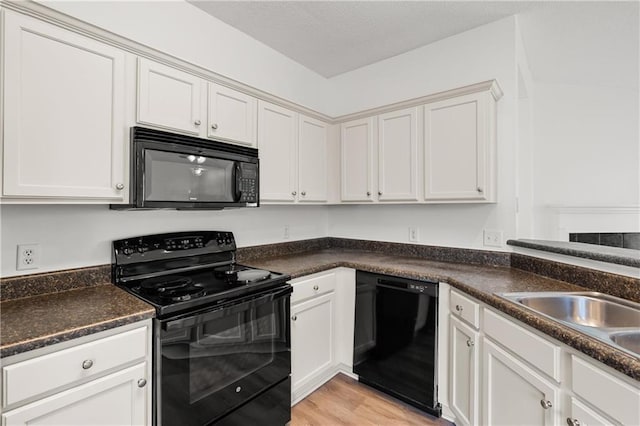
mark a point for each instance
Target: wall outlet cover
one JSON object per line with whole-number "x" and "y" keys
{"x": 28, "y": 256}
{"x": 492, "y": 238}
{"x": 413, "y": 234}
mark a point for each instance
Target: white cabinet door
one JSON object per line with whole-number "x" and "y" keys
{"x": 457, "y": 158}
{"x": 170, "y": 98}
{"x": 514, "y": 394}
{"x": 116, "y": 399}
{"x": 464, "y": 353}
{"x": 398, "y": 155}
{"x": 312, "y": 339}
{"x": 357, "y": 159}
{"x": 64, "y": 131}
{"x": 232, "y": 115}
{"x": 582, "y": 415}
{"x": 312, "y": 159}
{"x": 277, "y": 138}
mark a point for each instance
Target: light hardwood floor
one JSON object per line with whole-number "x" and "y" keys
{"x": 344, "y": 401}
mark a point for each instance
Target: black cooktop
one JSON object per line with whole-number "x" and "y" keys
{"x": 187, "y": 271}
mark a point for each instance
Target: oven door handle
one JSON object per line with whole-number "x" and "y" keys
{"x": 228, "y": 308}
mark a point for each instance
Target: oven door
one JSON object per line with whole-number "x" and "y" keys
{"x": 212, "y": 362}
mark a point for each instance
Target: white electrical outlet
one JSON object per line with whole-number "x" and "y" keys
{"x": 286, "y": 232}
{"x": 28, "y": 256}
{"x": 413, "y": 234}
{"x": 492, "y": 238}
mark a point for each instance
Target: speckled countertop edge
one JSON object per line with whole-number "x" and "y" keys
{"x": 471, "y": 279}
{"x": 34, "y": 322}
{"x": 619, "y": 256}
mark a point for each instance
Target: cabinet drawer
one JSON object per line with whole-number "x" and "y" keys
{"x": 534, "y": 349}
{"x": 312, "y": 286}
{"x": 610, "y": 394}
{"x": 464, "y": 308}
{"x": 48, "y": 372}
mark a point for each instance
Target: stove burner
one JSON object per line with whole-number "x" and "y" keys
{"x": 174, "y": 288}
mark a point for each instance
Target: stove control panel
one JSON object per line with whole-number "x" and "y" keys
{"x": 182, "y": 243}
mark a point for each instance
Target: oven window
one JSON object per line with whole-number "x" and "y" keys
{"x": 171, "y": 176}
{"x": 216, "y": 364}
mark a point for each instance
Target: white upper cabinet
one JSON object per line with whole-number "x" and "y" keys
{"x": 459, "y": 154}
{"x": 357, "y": 145}
{"x": 232, "y": 115}
{"x": 312, "y": 159}
{"x": 277, "y": 136}
{"x": 64, "y": 112}
{"x": 170, "y": 98}
{"x": 175, "y": 100}
{"x": 398, "y": 155}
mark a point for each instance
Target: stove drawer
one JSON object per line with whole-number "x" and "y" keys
{"x": 312, "y": 286}
{"x": 57, "y": 370}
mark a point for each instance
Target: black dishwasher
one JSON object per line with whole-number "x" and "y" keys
{"x": 396, "y": 336}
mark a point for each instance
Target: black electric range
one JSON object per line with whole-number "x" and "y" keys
{"x": 221, "y": 335}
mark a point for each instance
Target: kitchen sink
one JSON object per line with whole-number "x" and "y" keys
{"x": 629, "y": 340}
{"x": 610, "y": 319}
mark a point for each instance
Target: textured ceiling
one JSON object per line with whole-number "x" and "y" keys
{"x": 333, "y": 37}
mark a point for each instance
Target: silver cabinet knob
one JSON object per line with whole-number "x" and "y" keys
{"x": 315, "y": 287}
{"x": 142, "y": 383}
{"x": 479, "y": 189}
{"x": 119, "y": 186}
{"x": 293, "y": 193}
{"x": 293, "y": 318}
{"x": 379, "y": 192}
{"x": 470, "y": 342}
{"x": 368, "y": 193}
{"x": 573, "y": 422}
{"x": 197, "y": 122}
{"x": 546, "y": 404}
{"x": 87, "y": 364}
{"x": 459, "y": 308}
{"x": 214, "y": 126}
{"x": 303, "y": 193}
{"x": 238, "y": 389}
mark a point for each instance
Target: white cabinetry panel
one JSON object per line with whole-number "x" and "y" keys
{"x": 357, "y": 159}
{"x": 398, "y": 155}
{"x": 232, "y": 115}
{"x": 169, "y": 98}
{"x": 116, "y": 399}
{"x": 312, "y": 159}
{"x": 465, "y": 356}
{"x": 458, "y": 135}
{"x": 277, "y": 136}
{"x": 513, "y": 393}
{"x": 64, "y": 113}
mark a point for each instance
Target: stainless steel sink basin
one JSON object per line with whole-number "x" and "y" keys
{"x": 629, "y": 340}
{"x": 591, "y": 310}
{"x": 610, "y": 319}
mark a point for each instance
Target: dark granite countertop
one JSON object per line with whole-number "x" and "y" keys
{"x": 481, "y": 282}
{"x": 619, "y": 256}
{"x": 33, "y": 322}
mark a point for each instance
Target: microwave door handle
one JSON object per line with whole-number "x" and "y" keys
{"x": 236, "y": 171}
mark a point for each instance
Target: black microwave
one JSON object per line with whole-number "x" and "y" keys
{"x": 183, "y": 172}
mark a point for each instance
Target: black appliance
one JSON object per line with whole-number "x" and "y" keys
{"x": 396, "y": 335}
{"x": 221, "y": 336}
{"x": 182, "y": 172}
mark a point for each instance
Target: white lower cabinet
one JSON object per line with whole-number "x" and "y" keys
{"x": 465, "y": 369}
{"x": 513, "y": 394}
{"x": 516, "y": 375}
{"x": 116, "y": 399}
{"x": 101, "y": 379}
{"x": 312, "y": 337}
{"x": 319, "y": 347}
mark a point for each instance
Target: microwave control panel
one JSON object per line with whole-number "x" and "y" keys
{"x": 248, "y": 183}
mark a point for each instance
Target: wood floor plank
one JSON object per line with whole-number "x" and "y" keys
{"x": 343, "y": 401}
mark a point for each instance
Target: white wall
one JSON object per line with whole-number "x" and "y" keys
{"x": 484, "y": 53}
{"x": 182, "y": 30}
{"x": 79, "y": 235}
{"x": 587, "y": 150}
